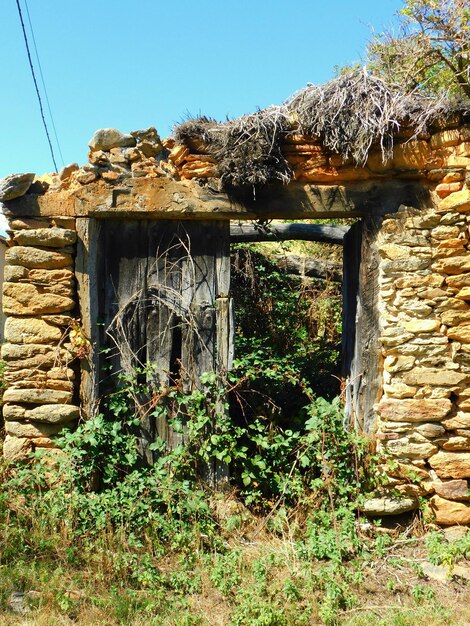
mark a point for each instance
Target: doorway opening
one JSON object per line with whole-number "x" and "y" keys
{"x": 287, "y": 297}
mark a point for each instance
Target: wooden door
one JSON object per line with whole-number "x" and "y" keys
{"x": 165, "y": 306}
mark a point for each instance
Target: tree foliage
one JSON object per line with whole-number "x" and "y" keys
{"x": 430, "y": 52}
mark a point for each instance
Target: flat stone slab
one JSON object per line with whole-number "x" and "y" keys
{"x": 14, "y": 186}
{"x": 388, "y": 505}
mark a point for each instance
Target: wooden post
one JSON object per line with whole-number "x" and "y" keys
{"x": 86, "y": 272}
{"x": 361, "y": 350}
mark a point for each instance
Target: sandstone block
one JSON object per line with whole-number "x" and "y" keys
{"x": 461, "y": 420}
{"x": 414, "y": 491}
{"x": 423, "y": 220}
{"x": 453, "y": 318}
{"x": 14, "y": 273}
{"x": 451, "y": 304}
{"x": 395, "y": 427}
{"x": 444, "y": 232}
{"x": 407, "y": 449}
{"x": 13, "y": 412}
{"x": 85, "y": 178}
{"x": 33, "y": 357}
{"x": 448, "y": 512}
{"x": 28, "y": 222}
{"x": 451, "y": 464}
{"x": 45, "y": 384}
{"x": 419, "y": 280}
{"x": 28, "y": 299}
{"x": 423, "y": 410}
{"x": 67, "y": 170}
{"x": 58, "y": 320}
{"x": 394, "y": 251}
{"x": 457, "y": 246}
{"x": 415, "y": 154}
{"x": 399, "y": 390}
{"x": 396, "y": 338}
{"x": 434, "y": 376}
{"x": 421, "y": 325}
{"x": 457, "y": 443}
{"x": 37, "y": 396}
{"x": 464, "y": 404}
{"x": 30, "y": 330}
{"x": 430, "y": 430}
{"x": 43, "y": 442}
{"x": 388, "y": 505}
{"x": 37, "y": 258}
{"x": 444, "y": 189}
{"x": 395, "y": 364}
{"x": 30, "y": 429}
{"x": 458, "y": 161}
{"x": 16, "y": 449}
{"x": 452, "y": 489}
{"x": 50, "y": 413}
{"x": 47, "y": 237}
{"x": 458, "y": 201}
{"x": 453, "y": 265}
{"x": 412, "y": 308}
{"x": 445, "y": 138}
{"x": 460, "y": 333}
{"x": 408, "y": 472}
{"x": 463, "y": 294}
{"x": 51, "y": 277}
{"x": 399, "y": 266}
{"x": 14, "y": 186}
{"x": 54, "y": 378}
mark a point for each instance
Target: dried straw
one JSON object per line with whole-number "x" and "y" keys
{"x": 349, "y": 115}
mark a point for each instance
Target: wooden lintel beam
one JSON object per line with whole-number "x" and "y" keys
{"x": 248, "y": 232}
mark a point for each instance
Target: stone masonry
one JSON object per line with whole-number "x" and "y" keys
{"x": 38, "y": 300}
{"x": 424, "y": 414}
{"x": 423, "y": 410}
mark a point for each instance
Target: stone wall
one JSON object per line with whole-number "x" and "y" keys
{"x": 424, "y": 414}
{"x": 39, "y": 301}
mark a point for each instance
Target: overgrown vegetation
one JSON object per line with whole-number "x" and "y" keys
{"x": 429, "y": 51}
{"x": 90, "y": 536}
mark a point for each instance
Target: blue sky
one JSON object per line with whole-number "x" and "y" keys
{"x": 134, "y": 63}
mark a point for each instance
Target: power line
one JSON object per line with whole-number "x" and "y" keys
{"x": 36, "y": 85}
{"x": 43, "y": 83}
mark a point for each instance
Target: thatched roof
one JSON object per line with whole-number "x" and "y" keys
{"x": 349, "y": 115}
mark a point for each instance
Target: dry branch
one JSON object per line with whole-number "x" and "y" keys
{"x": 348, "y": 116}
{"x": 311, "y": 268}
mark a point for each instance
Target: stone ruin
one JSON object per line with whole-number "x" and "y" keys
{"x": 406, "y": 349}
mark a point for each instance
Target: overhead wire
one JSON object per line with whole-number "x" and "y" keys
{"x": 43, "y": 82}
{"x": 36, "y": 84}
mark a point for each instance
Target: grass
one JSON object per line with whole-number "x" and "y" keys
{"x": 251, "y": 576}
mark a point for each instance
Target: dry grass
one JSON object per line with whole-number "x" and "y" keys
{"x": 390, "y": 592}
{"x": 349, "y": 115}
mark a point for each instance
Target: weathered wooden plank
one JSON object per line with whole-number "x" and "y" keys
{"x": 349, "y": 346}
{"x": 364, "y": 382}
{"x": 163, "y": 198}
{"x": 160, "y": 283}
{"x": 246, "y": 232}
{"x": 225, "y": 333}
{"x": 165, "y": 314}
{"x": 88, "y": 286}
